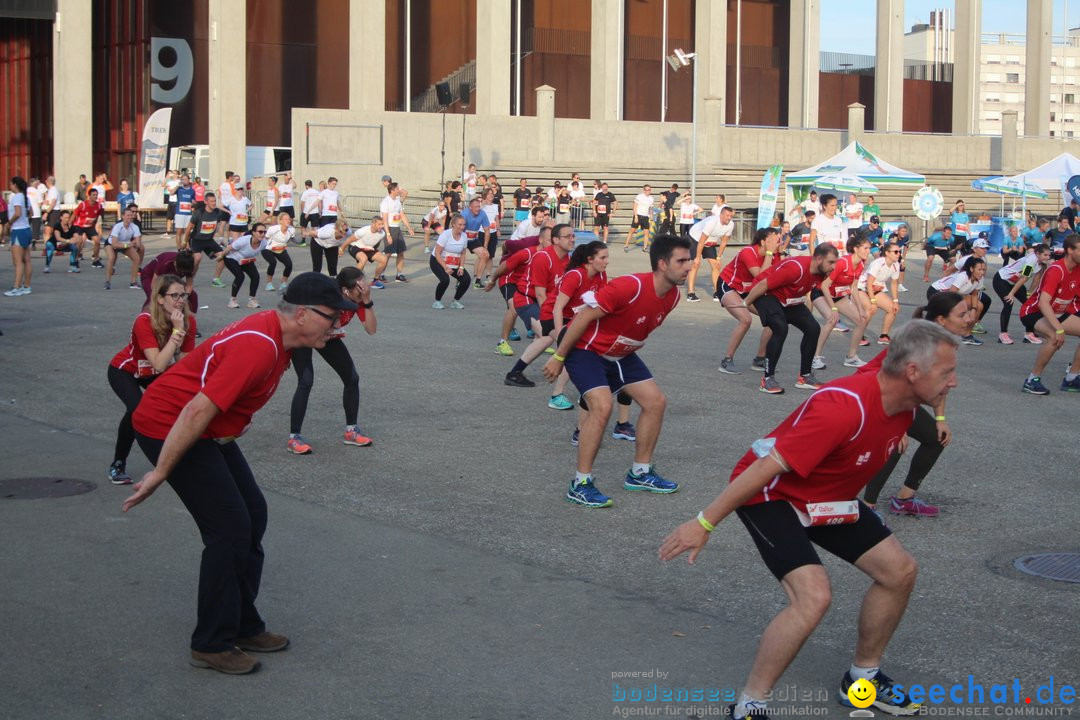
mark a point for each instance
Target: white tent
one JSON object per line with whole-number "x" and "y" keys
{"x": 857, "y": 160}
{"x": 1051, "y": 176}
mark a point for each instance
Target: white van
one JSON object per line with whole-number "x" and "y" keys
{"x": 260, "y": 160}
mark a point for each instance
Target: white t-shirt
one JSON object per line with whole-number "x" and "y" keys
{"x": 960, "y": 280}
{"x": 365, "y": 239}
{"x": 831, "y": 230}
{"x": 716, "y": 209}
{"x": 492, "y": 212}
{"x": 330, "y": 199}
{"x": 33, "y": 194}
{"x": 276, "y": 240}
{"x": 170, "y": 188}
{"x": 687, "y": 211}
{"x": 854, "y": 214}
{"x": 309, "y": 201}
{"x": 52, "y": 197}
{"x": 18, "y": 200}
{"x": 286, "y": 193}
{"x": 525, "y": 229}
{"x": 882, "y": 272}
{"x": 391, "y": 210}
{"x": 239, "y": 208}
{"x": 576, "y": 194}
{"x": 436, "y": 214}
{"x": 325, "y": 236}
{"x": 241, "y": 251}
{"x": 469, "y": 181}
{"x": 271, "y": 199}
{"x": 452, "y": 247}
{"x": 224, "y": 192}
{"x": 812, "y": 205}
{"x": 1012, "y": 272}
{"x": 711, "y": 230}
{"x": 124, "y": 235}
{"x": 643, "y": 204}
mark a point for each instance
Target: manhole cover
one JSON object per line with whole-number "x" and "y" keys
{"x": 1054, "y": 566}
{"x": 34, "y": 488}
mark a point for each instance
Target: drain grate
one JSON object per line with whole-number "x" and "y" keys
{"x": 1064, "y": 567}
{"x": 36, "y": 488}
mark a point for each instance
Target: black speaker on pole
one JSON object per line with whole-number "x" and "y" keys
{"x": 443, "y": 91}
{"x": 464, "y": 91}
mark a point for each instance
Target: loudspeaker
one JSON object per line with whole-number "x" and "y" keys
{"x": 464, "y": 90}
{"x": 443, "y": 91}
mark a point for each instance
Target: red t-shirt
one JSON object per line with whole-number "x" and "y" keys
{"x": 1062, "y": 286}
{"x": 545, "y": 271}
{"x": 512, "y": 247}
{"x": 576, "y": 283}
{"x": 132, "y": 359}
{"x": 790, "y": 280}
{"x": 345, "y": 317}
{"x": 845, "y": 275}
{"x": 517, "y": 266}
{"x": 86, "y": 215}
{"x": 200, "y": 192}
{"x": 834, "y": 443}
{"x": 737, "y": 272}
{"x": 633, "y": 311}
{"x": 238, "y": 369}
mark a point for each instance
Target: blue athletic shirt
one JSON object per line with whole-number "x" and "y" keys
{"x": 937, "y": 240}
{"x": 185, "y": 200}
{"x": 125, "y": 199}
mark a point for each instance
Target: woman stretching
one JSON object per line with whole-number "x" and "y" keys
{"x": 241, "y": 261}
{"x": 277, "y": 250}
{"x": 446, "y": 263}
{"x": 881, "y": 275}
{"x": 351, "y": 282}
{"x": 1010, "y": 281}
{"x": 837, "y": 297}
{"x": 159, "y": 338}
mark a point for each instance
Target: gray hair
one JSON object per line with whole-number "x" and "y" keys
{"x": 287, "y": 308}
{"x": 917, "y": 342}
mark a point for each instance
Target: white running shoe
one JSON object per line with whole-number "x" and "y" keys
{"x": 854, "y": 362}
{"x": 818, "y": 363}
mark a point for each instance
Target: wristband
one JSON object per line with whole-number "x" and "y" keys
{"x": 873, "y": 301}
{"x": 558, "y": 357}
{"x": 709, "y": 527}
{"x": 176, "y": 332}
{"x": 368, "y": 305}
{"x": 835, "y": 309}
{"x": 768, "y": 253}
{"x": 939, "y": 418}
{"x": 1060, "y": 331}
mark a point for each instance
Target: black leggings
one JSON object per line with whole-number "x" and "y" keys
{"x": 1003, "y": 287}
{"x": 318, "y": 252}
{"x": 239, "y": 271}
{"x": 272, "y": 258}
{"x": 444, "y": 280}
{"x": 129, "y": 389}
{"x": 337, "y": 356}
{"x": 923, "y": 430}
{"x": 777, "y": 318}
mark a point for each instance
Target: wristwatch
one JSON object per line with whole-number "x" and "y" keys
{"x": 368, "y": 305}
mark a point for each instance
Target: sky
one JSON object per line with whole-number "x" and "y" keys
{"x": 851, "y": 24}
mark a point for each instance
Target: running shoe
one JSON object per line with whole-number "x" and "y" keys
{"x": 456, "y": 305}
{"x": 252, "y": 303}
{"x": 97, "y": 264}
{"x": 427, "y": 251}
{"x": 770, "y": 386}
{"x": 13, "y": 292}
{"x": 517, "y": 379}
{"x": 560, "y": 402}
{"x": 864, "y": 342}
{"x": 883, "y": 339}
{"x": 650, "y": 481}
{"x": 624, "y": 431}
{"x": 269, "y": 287}
{"x": 297, "y": 446}
{"x": 818, "y": 363}
{"x": 382, "y": 278}
{"x": 585, "y": 493}
{"x": 1004, "y": 339}
{"x": 971, "y": 340}
{"x": 887, "y": 700}
{"x": 354, "y": 437}
{"x": 233, "y": 303}
{"x": 978, "y": 329}
{"x": 108, "y": 285}
{"x": 134, "y": 286}
{"x": 626, "y": 248}
{"x": 503, "y": 348}
{"x": 1034, "y": 386}
{"x": 758, "y": 363}
{"x": 574, "y": 437}
{"x": 912, "y": 506}
{"x": 401, "y": 279}
{"x": 514, "y": 336}
{"x": 477, "y": 284}
{"x": 283, "y": 287}
{"x": 118, "y": 473}
{"x": 437, "y": 306}
{"x": 47, "y": 270}
{"x": 302, "y": 243}
{"x": 716, "y": 297}
{"x": 841, "y": 327}
{"x": 216, "y": 282}
{"x": 1071, "y": 385}
{"x": 727, "y": 365}
{"x": 531, "y": 335}
{"x": 903, "y": 287}
{"x": 74, "y": 269}
{"x": 692, "y": 297}
{"x": 378, "y": 285}
{"x": 854, "y": 361}
{"x": 25, "y": 290}
{"x": 754, "y": 711}
{"x": 807, "y": 382}
{"x": 1032, "y": 338}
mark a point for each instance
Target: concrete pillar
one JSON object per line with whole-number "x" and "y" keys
{"x": 545, "y": 114}
{"x": 856, "y": 122}
{"x": 710, "y": 44}
{"x": 493, "y": 57}
{"x": 889, "y": 68}
{"x": 228, "y": 89}
{"x": 1008, "y": 142}
{"x": 711, "y": 129}
{"x": 1037, "y": 68}
{"x": 966, "y": 60}
{"x": 606, "y": 62}
{"x": 366, "y": 55}
{"x": 804, "y": 63}
{"x": 73, "y": 138}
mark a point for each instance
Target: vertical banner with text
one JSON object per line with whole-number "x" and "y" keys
{"x": 153, "y": 154}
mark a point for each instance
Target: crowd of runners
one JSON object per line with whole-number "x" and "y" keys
{"x": 799, "y": 484}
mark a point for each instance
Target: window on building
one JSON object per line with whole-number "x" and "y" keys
{"x": 1013, "y": 61}
{"x": 1012, "y": 77}
{"x": 1068, "y": 133}
{"x": 993, "y": 98}
{"x": 1070, "y": 98}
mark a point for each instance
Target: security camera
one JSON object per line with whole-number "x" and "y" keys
{"x": 680, "y": 59}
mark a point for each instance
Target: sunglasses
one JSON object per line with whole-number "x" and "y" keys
{"x": 259, "y": 232}
{"x": 334, "y": 317}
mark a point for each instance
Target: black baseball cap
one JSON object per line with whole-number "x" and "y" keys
{"x": 312, "y": 288}
{"x": 875, "y": 219}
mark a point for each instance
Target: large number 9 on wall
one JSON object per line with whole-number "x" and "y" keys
{"x": 171, "y": 81}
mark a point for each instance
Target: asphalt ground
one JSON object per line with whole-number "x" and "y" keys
{"x": 440, "y": 572}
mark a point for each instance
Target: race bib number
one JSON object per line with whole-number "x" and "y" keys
{"x": 841, "y": 290}
{"x": 1060, "y": 305}
{"x": 471, "y": 234}
{"x": 145, "y": 369}
{"x": 687, "y": 218}
{"x": 278, "y": 250}
{"x": 564, "y": 208}
{"x": 523, "y": 203}
{"x": 601, "y": 209}
{"x": 841, "y": 512}
{"x": 185, "y": 207}
{"x": 246, "y": 261}
{"x": 332, "y": 209}
{"x": 207, "y": 228}
{"x": 961, "y": 229}
{"x": 242, "y": 218}
{"x": 453, "y": 260}
{"x": 269, "y": 205}
{"x": 622, "y": 347}
{"x": 395, "y": 219}
{"x": 794, "y": 301}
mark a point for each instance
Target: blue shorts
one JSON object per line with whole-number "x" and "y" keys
{"x": 528, "y": 313}
{"x": 589, "y": 371}
{"x": 520, "y": 215}
{"x": 23, "y": 237}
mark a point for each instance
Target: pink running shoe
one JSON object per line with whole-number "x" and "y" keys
{"x": 912, "y": 506}
{"x": 1032, "y": 338}
{"x": 1004, "y": 339}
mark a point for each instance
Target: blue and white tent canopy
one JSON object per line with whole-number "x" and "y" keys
{"x": 1010, "y": 186}
{"x": 857, "y": 160}
{"x": 1051, "y": 176}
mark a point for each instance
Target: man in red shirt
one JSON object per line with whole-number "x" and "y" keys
{"x": 87, "y": 214}
{"x": 511, "y": 271}
{"x": 187, "y": 424}
{"x": 790, "y": 490}
{"x": 599, "y": 351}
{"x": 779, "y": 296}
{"x": 1051, "y": 312}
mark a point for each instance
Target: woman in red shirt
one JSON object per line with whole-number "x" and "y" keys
{"x": 159, "y": 338}
{"x": 837, "y": 298}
